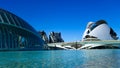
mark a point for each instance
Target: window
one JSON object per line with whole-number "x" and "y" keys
{"x": 15, "y": 20}
{"x": 1, "y": 20}
{"x": 10, "y": 18}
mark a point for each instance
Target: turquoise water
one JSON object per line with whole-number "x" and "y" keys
{"x": 108, "y": 58}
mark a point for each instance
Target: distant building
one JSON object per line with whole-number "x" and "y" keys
{"x": 55, "y": 37}
{"x": 17, "y": 34}
{"x": 99, "y": 30}
{"x": 44, "y": 36}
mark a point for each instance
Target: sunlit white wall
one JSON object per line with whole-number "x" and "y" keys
{"x": 101, "y": 32}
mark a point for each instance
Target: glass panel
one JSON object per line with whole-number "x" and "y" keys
{"x": 10, "y": 18}
{"x": 22, "y": 41}
{"x": 21, "y": 22}
{"x": 5, "y": 38}
{"x": 11, "y": 37}
{"x": 0, "y": 38}
{"x": 93, "y": 26}
{"x": 1, "y": 20}
{"x": 16, "y": 21}
{"x": 4, "y": 17}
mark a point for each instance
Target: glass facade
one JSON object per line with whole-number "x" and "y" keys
{"x": 16, "y": 34}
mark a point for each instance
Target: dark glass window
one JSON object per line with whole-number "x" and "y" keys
{"x": 4, "y": 17}
{"x": 93, "y": 26}
{"x": 1, "y": 19}
{"x": 16, "y": 21}
{"x": 22, "y": 41}
{"x": 0, "y": 38}
{"x": 112, "y": 32}
{"x": 21, "y": 22}
{"x": 10, "y": 18}
{"x": 101, "y": 22}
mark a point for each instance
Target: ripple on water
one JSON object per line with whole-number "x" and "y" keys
{"x": 61, "y": 59}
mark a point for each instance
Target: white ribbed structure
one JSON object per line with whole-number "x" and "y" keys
{"x": 101, "y": 31}
{"x": 96, "y": 32}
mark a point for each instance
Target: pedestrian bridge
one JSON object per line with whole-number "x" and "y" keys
{"x": 115, "y": 42}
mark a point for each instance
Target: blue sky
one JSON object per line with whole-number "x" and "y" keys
{"x": 69, "y": 17}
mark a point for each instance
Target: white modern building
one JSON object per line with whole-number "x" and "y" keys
{"x": 97, "y": 31}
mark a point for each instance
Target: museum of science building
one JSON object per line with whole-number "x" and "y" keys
{"x": 16, "y": 34}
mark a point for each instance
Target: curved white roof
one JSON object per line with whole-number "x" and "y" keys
{"x": 100, "y": 30}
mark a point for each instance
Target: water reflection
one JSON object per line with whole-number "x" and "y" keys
{"x": 108, "y": 58}
{"x": 100, "y": 59}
